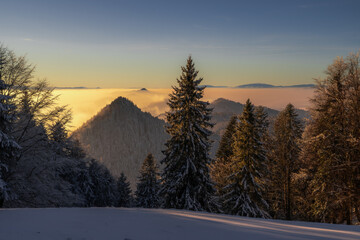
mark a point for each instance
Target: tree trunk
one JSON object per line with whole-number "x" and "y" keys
{"x": 348, "y": 213}
{"x": 357, "y": 212}
{"x": 288, "y": 199}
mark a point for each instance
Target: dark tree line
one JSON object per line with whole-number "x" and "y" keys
{"x": 40, "y": 165}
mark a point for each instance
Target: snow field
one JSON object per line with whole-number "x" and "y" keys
{"x": 157, "y": 224}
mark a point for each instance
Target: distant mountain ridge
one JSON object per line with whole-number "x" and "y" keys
{"x": 251, "y": 85}
{"x": 78, "y": 88}
{"x": 213, "y": 86}
{"x": 264, "y": 85}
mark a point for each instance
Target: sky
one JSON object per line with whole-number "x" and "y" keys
{"x": 133, "y": 44}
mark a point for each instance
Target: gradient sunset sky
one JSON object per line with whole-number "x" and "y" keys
{"x": 125, "y": 44}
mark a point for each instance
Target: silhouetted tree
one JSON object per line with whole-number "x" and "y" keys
{"x": 124, "y": 198}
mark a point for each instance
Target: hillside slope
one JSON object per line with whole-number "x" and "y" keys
{"x": 121, "y": 136}
{"x": 223, "y": 109}
{"x": 156, "y": 224}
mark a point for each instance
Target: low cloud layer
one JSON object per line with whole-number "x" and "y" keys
{"x": 85, "y": 103}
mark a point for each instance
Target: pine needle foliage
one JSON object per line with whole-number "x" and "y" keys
{"x": 244, "y": 193}
{"x": 186, "y": 178}
{"x": 124, "y": 197}
{"x": 220, "y": 168}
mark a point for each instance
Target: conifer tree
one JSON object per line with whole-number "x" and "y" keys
{"x": 147, "y": 189}
{"x": 332, "y": 143}
{"x": 8, "y": 147}
{"x": 262, "y": 124}
{"x": 103, "y": 186}
{"x": 58, "y": 133}
{"x": 186, "y": 180}
{"x": 124, "y": 192}
{"x": 221, "y": 166}
{"x": 243, "y": 196}
{"x": 287, "y": 136}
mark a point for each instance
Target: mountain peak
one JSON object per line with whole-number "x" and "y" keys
{"x": 120, "y": 136}
{"x": 122, "y": 101}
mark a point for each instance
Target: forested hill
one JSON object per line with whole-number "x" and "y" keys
{"x": 223, "y": 109}
{"x": 121, "y": 136}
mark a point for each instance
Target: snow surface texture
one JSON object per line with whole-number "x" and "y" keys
{"x": 157, "y": 224}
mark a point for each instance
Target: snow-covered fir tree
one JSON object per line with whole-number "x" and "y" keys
{"x": 9, "y": 148}
{"x": 285, "y": 162}
{"x": 220, "y": 168}
{"x": 124, "y": 198}
{"x": 147, "y": 189}
{"x": 186, "y": 180}
{"x": 243, "y": 196}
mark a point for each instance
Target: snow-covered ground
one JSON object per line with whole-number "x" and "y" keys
{"x": 135, "y": 224}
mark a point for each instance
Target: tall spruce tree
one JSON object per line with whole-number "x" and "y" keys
{"x": 124, "y": 198}
{"x": 147, "y": 189}
{"x": 286, "y": 146}
{"x": 221, "y": 166}
{"x": 8, "y": 146}
{"x": 186, "y": 180}
{"x": 332, "y": 143}
{"x": 243, "y": 196}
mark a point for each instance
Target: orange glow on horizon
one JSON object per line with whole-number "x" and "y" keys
{"x": 85, "y": 103}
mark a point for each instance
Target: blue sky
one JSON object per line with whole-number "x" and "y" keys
{"x": 143, "y": 43}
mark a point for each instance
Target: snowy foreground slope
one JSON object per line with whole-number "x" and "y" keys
{"x": 135, "y": 224}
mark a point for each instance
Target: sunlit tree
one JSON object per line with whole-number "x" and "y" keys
{"x": 332, "y": 143}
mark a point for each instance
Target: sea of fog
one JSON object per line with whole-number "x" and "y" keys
{"x": 85, "y": 103}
